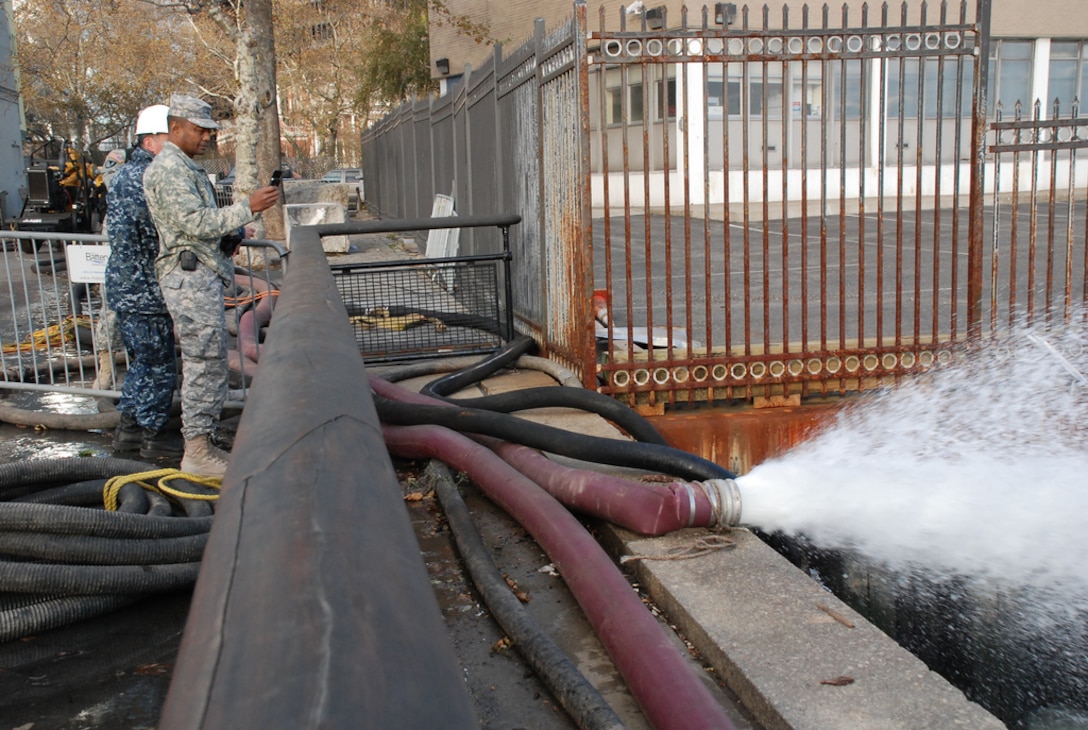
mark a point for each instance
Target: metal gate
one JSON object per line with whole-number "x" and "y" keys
{"x": 760, "y": 204}
{"x": 788, "y": 206}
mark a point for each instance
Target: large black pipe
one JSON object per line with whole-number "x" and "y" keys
{"x": 313, "y": 607}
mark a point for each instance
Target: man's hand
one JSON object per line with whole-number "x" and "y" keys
{"x": 264, "y": 198}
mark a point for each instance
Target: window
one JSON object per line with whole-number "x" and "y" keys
{"x": 666, "y": 97}
{"x": 616, "y": 99}
{"x": 632, "y": 96}
{"x": 1068, "y": 75}
{"x": 948, "y": 77}
{"x": 729, "y": 96}
{"x": 1010, "y": 76}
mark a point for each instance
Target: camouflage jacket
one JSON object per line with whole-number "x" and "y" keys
{"x": 182, "y": 203}
{"x": 131, "y": 284}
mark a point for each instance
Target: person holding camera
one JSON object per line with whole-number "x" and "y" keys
{"x": 193, "y": 268}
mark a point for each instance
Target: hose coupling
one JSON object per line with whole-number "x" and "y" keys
{"x": 724, "y": 498}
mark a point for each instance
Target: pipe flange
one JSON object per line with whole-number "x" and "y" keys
{"x": 724, "y": 497}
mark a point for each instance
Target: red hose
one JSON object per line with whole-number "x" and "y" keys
{"x": 662, "y": 681}
{"x": 647, "y": 509}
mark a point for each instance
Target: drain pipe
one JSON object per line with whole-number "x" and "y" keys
{"x": 643, "y": 508}
{"x": 661, "y": 680}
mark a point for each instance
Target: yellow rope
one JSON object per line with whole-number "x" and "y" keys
{"x": 164, "y": 476}
{"x": 52, "y": 336}
{"x": 210, "y": 482}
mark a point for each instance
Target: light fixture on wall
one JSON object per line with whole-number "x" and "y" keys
{"x": 725, "y": 13}
{"x": 655, "y": 17}
{"x": 443, "y": 65}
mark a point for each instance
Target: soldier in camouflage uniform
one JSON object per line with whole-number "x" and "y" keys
{"x": 132, "y": 292}
{"x": 193, "y": 270}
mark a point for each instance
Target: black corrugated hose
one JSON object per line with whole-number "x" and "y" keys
{"x": 65, "y": 558}
{"x": 569, "y": 686}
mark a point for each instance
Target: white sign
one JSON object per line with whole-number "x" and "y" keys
{"x": 87, "y": 263}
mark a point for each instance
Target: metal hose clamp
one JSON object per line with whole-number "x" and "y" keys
{"x": 690, "y": 488}
{"x": 724, "y": 497}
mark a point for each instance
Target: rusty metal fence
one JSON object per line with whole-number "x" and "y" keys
{"x": 1035, "y": 270}
{"x": 753, "y": 204}
{"x": 834, "y": 256}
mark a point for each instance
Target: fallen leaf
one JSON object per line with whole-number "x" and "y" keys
{"x": 838, "y": 681}
{"x": 413, "y": 497}
{"x": 150, "y": 670}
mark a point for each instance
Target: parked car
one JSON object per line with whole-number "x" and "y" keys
{"x": 350, "y": 176}
{"x": 344, "y": 175}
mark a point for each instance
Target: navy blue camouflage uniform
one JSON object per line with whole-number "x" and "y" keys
{"x": 132, "y": 291}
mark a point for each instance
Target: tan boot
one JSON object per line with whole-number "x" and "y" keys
{"x": 204, "y": 459}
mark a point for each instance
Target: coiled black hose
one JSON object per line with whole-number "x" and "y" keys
{"x": 64, "y": 558}
{"x": 591, "y": 401}
{"x": 548, "y": 397}
{"x": 38, "y": 613}
{"x": 442, "y": 387}
{"x": 92, "y": 580}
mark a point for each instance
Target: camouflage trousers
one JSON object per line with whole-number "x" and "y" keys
{"x": 195, "y": 301}
{"x": 148, "y": 389}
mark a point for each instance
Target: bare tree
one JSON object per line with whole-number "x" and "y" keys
{"x": 88, "y": 67}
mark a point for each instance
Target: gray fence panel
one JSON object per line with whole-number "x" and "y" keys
{"x": 424, "y": 182}
{"x": 462, "y": 165}
{"x": 443, "y": 148}
{"x": 485, "y": 178}
{"x": 519, "y": 156}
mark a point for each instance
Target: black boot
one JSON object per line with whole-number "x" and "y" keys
{"x": 128, "y": 434}
{"x": 161, "y": 443}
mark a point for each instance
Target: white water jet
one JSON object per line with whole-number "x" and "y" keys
{"x": 978, "y": 469}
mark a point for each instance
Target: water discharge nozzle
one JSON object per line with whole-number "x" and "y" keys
{"x": 724, "y": 497}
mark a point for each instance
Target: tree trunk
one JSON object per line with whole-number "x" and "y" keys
{"x": 257, "y": 127}
{"x": 259, "y": 17}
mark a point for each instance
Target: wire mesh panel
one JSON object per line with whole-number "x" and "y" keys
{"x": 415, "y": 310}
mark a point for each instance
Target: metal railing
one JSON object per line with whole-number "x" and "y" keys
{"x": 57, "y": 335}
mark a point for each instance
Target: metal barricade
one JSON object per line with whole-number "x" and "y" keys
{"x": 436, "y": 307}
{"x": 56, "y": 333}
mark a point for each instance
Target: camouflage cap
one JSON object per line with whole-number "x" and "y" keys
{"x": 197, "y": 111}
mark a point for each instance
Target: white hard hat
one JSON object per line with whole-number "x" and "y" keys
{"x": 152, "y": 120}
